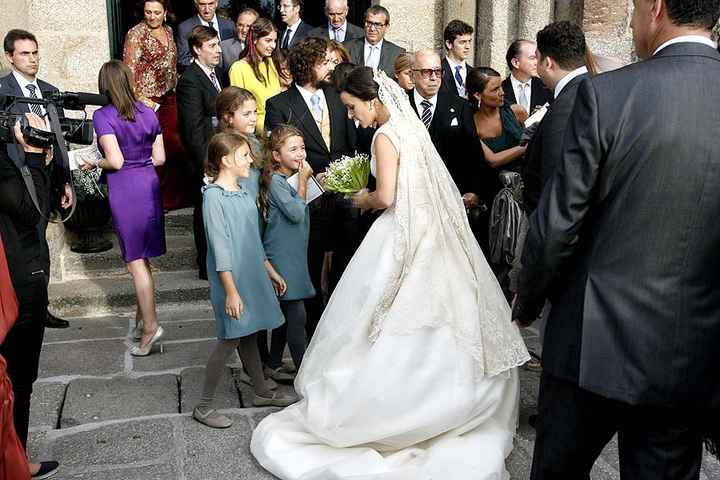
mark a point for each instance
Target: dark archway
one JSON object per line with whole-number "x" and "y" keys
{"x": 124, "y": 14}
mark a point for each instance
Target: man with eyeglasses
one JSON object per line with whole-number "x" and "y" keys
{"x": 373, "y": 50}
{"x": 295, "y": 28}
{"x": 205, "y": 16}
{"x": 337, "y": 28}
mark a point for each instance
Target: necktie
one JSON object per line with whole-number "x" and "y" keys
{"x": 286, "y": 40}
{"x": 370, "y": 60}
{"x": 212, "y": 25}
{"x": 214, "y": 80}
{"x": 426, "y": 113}
{"x": 523, "y": 99}
{"x": 34, "y": 107}
{"x": 459, "y": 80}
{"x": 317, "y": 110}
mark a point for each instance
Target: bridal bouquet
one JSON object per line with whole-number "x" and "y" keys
{"x": 348, "y": 175}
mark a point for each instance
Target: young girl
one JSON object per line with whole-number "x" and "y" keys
{"x": 243, "y": 285}
{"x": 286, "y": 240}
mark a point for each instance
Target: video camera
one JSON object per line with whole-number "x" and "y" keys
{"x": 71, "y": 130}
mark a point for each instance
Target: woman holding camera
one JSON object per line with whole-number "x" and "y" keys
{"x": 129, "y": 136}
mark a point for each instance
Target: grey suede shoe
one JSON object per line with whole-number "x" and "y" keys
{"x": 278, "y": 399}
{"x": 212, "y": 418}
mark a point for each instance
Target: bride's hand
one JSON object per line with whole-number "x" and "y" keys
{"x": 361, "y": 199}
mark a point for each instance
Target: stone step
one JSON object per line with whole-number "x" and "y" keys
{"x": 101, "y": 296}
{"x": 179, "y": 222}
{"x": 77, "y": 266}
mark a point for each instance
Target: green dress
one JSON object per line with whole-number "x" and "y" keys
{"x": 286, "y": 238}
{"x": 234, "y": 244}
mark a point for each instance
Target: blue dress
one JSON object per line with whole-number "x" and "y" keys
{"x": 234, "y": 244}
{"x": 286, "y": 238}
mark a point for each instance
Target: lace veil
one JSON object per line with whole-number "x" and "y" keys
{"x": 438, "y": 260}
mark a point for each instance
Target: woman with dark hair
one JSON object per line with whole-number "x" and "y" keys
{"x": 258, "y": 70}
{"x": 418, "y": 291}
{"x": 151, "y": 54}
{"x": 130, "y": 137}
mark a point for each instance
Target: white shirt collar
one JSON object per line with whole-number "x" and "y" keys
{"x": 340, "y": 29}
{"x": 378, "y": 45}
{"x": 453, "y": 64}
{"x": 294, "y": 26}
{"x": 419, "y": 99}
{"x": 516, "y": 83}
{"x": 307, "y": 94}
{"x": 214, "y": 20}
{"x": 567, "y": 78}
{"x": 207, "y": 70}
{"x": 686, "y": 39}
{"x": 23, "y": 82}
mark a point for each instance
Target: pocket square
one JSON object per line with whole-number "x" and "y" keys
{"x": 454, "y": 122}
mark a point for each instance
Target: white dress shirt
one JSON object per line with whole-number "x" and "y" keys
{"x": 307, "y": 95}
{"x": 216, "y": 25}
{"x": 686, "y": 39}
{"x": 24, "y": 82}
{"x": 210, "y": 74}
{"x": 463, "y": 74}
{"x": 418, "y": 103}
{"x": 516, "y": 85}
{"x": 371, "y": 54}
{"x": 567, "y": 78}
{"x": 290, "y": 32}
{"x": 341, "y": 32}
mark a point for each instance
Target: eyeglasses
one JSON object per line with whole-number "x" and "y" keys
{"x": 375, "y": 25}
{"x": 428, "y": 72}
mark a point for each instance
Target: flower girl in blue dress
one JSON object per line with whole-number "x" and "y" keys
{"x": 243, "y": 284}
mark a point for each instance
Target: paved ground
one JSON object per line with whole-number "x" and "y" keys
{"x": 106, "y": 415}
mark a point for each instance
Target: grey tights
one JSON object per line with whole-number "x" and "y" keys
{"x": 248, "y": 350}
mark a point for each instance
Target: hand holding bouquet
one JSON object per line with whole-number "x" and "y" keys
{"x": 348, "y": 175}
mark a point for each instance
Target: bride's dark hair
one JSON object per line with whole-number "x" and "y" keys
{"x": 360, "y": 84}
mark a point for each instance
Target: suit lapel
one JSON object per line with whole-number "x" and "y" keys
{"x": 337, "y": 113}
{"x": 12, "y": 87}
{"x": 441, "y": 107}
{"x": 306, "y": 120}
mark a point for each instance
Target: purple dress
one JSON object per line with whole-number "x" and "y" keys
{"x": 134, "y": 190}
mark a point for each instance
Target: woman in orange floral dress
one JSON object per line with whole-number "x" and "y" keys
{"x": 151, "y": 54}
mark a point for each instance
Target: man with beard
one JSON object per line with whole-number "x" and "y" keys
{"x": 313, "y": 106}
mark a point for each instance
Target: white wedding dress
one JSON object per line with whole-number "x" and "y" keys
{"x": 411, "y": 372}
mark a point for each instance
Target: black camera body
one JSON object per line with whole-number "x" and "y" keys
{"x": 74, "y": 131}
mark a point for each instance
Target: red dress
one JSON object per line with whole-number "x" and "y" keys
{"x": 153, "y": 64}
{"x": 13, "y": 461}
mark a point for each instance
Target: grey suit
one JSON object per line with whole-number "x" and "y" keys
{"x": 624, "y": 242}
{"x": 231, "y": 50}
{"x": 226, "y": 28}
{"x": 352, "y": 32}
{"x": 388, "y": 54}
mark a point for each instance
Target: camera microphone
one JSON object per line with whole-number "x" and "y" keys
{"x": 78, "y": 100}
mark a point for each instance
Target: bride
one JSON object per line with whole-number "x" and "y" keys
{"x": 410, "y": 374}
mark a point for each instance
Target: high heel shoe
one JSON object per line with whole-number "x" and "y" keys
{"x": 137, "y": 332}
{"x": 144, "y": 351}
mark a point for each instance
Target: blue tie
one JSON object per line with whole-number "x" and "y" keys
{"x": 317, "y": 109}
{"x": 458, "y": 76}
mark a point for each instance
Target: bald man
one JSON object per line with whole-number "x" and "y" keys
{"x": 337, "y": 28}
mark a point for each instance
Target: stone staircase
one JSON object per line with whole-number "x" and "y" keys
{"x": 99, "y": 284}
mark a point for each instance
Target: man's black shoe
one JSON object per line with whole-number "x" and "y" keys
{"x": 47, "y": 470}
{"x": 51, "y": 321}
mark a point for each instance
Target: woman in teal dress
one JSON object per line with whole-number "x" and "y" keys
{"x": 243, "y": 284}
{"x": 286, "y": 240}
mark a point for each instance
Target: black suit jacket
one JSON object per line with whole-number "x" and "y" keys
{"x": 185, "y": 58}
{"x": 625, "y": 238}
{"x": 543, "y": 153}
{"x": 302, "y": 31}
{"x": 196, "y": 113}
{"x": 451, "y": 131}
{"x": 448, "y": 76}
{"x": 352, "y": 32}
{"x": 539, "y": 94}
{"x": 388, "y": 53}
{"x": 289, "y": 107}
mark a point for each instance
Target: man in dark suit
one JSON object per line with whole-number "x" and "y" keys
{"x": 458, "y": 37}
{"x": 522, "y": 86}
{"x": 196, "y": 92}
{"x": 232, "y": 48}
{"x": 21, "y": 51}
{"x": 315, "y": 108}
{"x": 373, "y": 50}
{"x": 624, "y": 243}
{"x": 205, "y": 16}
{"x": 295, "y": 28}
{"x": 337, "y": 28}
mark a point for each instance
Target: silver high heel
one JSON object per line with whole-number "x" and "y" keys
{"x": 138, "y": 351}
{"x": 137, "y": 332}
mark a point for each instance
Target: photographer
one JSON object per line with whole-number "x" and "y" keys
{"x": 27, "y": 262}
{"x": 21, "y": 51}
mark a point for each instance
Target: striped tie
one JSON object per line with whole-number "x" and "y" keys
{"x": 34, "y": 107}
{"x": 427, "y": 113}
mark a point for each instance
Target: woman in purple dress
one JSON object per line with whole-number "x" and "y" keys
{"x": 130, "y": 138}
